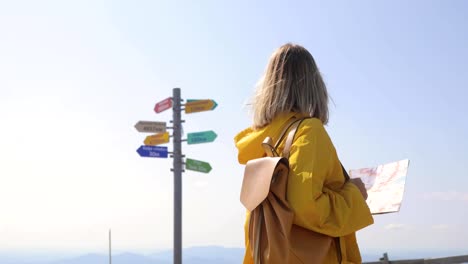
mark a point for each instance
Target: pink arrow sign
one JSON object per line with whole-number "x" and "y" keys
{"x": 163, "y": 105}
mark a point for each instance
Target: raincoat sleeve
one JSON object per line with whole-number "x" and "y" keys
{"x": 317, "y": 193}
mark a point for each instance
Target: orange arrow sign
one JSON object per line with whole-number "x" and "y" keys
{"x": 200, "y": 106}
{"x": 157, "y": 139}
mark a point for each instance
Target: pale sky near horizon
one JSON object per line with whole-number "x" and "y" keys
{"x": 76, "y": 76}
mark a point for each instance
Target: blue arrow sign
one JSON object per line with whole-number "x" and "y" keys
{"x": 152, "y": 151}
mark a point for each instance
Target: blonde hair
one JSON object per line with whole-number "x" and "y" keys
{"x": 291, "y": 83}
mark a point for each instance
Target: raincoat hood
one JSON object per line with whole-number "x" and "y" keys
{"x": 248, "y": 141}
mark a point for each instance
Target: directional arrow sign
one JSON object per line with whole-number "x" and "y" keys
{"x": 151, "y": 127}
{"x": 197, "y": 165}
{"x": 201, "y": 137}
{"x": 152, "y": 152}
{"x": 163, "y": 105}
{"x": 193, "y": 106}
{"x": 194, "y": 100}
{"x": 157, "y": 139}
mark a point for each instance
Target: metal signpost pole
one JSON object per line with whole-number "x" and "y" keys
{"x": 177, "y": 149}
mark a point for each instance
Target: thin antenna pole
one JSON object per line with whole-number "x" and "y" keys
{"x": 110, "y": 247}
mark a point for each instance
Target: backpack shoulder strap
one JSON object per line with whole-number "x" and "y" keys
{"x": 289, "y": 140}
{"x": 291, "y": 126}
{"x": 269, "y": 147}
{"x": 286, "y": 127}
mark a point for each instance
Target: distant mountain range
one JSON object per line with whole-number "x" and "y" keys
{"x": 194, "y": 255}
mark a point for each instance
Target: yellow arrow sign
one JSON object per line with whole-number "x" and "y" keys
{"x": 200, "y": 106}
{"x": 157, "y": 139}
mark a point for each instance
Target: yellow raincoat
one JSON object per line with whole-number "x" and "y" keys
{"x": 317, "y": 191}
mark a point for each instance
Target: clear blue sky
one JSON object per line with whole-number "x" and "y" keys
{"x": 76, "y": 76}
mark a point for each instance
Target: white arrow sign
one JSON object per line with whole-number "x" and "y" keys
{"x": 150, "y": 127}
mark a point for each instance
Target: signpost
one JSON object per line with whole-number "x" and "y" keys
{"x": 162, "y": 137}
{"x": 150, "y": 127}
{"x": 193, "y": 106}
{"x": 157, "y": 139}
{"x": 163, "y": 105}
{"x": 197, "y": 165}
{"x": 201, "y": 137}
{"x": 152, "y": 152}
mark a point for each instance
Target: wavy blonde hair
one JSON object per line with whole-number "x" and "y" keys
{"x": 291, "y": 83}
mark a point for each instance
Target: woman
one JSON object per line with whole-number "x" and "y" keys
{"x": 322, "y": 199}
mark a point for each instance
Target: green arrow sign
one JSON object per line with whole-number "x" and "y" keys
{"x": 201, "y": 137}
{"x": 197, "y": 165}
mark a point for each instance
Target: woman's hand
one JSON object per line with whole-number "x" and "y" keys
{"x": 358, "y": 182}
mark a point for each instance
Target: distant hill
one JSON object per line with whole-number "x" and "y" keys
{"x": 89, "y": 259}
{"x": 194, "y": 255}
{"x": 212, "y": 254}
{"x": 197, "y": 255}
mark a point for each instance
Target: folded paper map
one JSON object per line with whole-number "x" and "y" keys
{"x": 385, "y": 185}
